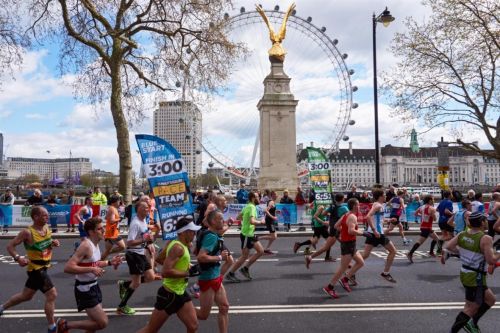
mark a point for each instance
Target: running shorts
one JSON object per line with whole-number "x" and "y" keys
{"x": 170, "y": 302}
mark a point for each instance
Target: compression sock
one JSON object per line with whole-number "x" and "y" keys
{"x": 433, "y": 245}
{"x": 126, "y": 297}
{"x": 460, "y": 322}
{"x": 307, "y": 242}
{"x": 440, "y": 245}
{"x": 415, "y": 247}
{"x": 327, "y": 253}
{"x": 482, "y": 310}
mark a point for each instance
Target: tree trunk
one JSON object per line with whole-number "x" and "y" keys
{"x": 122, "y": 134}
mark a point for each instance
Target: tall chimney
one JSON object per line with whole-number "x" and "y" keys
{"x": 350, "y": 148}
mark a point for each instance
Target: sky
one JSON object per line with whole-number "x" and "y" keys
{"x": 40, "y": 118}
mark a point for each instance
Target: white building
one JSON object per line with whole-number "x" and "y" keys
{"x": 180, "y": 123}
{"x": 46, "y": 168}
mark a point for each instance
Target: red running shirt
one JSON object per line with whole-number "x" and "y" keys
{"x": 344, "y": 231}
{"x": 427, "y": 218}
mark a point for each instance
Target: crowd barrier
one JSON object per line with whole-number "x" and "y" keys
{"x": 19, "y": 216}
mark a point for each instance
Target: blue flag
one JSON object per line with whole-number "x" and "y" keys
{"x": 168, "y": 179}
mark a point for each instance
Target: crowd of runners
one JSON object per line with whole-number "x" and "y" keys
{"x": 467, "y": 234}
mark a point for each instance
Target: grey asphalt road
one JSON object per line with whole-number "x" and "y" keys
{"x": 283, "y": 297}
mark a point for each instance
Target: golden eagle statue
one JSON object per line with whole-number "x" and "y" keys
{"x": 276, "y": 52}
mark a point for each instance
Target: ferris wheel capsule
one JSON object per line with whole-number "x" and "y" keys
{"x": 345, "y": 138}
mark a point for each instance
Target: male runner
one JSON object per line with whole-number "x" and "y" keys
{"x": 348, "y": 231}
{"x": 476, "y": 250}
{"x": 270, "y": 219}
{"x": 397, "y": 206}
{"x": 428, "y": 216}
{"x": 87, "y": 266}
{"x": 38, "y": 243}
{"x": 320, "y": 229}
{"x": 375, "y": 227}
{"x": 334, "y": 213}
{"x": 172, "y": 296}
{"x": 210, "y": 256}
{"x": 114, "y": 243}
{"x": 139, "y": 266}
{"x": 248, "y": 218}
{"x": 459, "y": 221}
{"x": 445, "y": 210}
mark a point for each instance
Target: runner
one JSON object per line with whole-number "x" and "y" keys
{"x": 248, "y": 218}
{"x": 397, "y": 206}
{"x": 375, "y": 227}
{"x": 348, "y": 231}
{"x": 172, "y": 296}
{"x": 445, "y": 210}
{"x": 83, "y": 214}
{"x": 139, "y": 266}
{"x": 270, "y": 220}
{"x": 87, "y": 267}
{"x": 320, "y": 229}
{"x": 334, "y": 212}
{"x": 38, "y": 242}
{"x": 493, "y": 213}
{"x": 210, "y": 256}
{"x": 476, "y": 251}
{"x": 428, "y": 214}
{"x": 114, "y": 243}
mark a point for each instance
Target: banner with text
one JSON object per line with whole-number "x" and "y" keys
{"x": 319, "y": 175}
{"x": 167, "y": 176}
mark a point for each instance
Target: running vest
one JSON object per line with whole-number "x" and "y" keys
{"x": 378, "y": 221}
{"x": 178, "y": 285}
{"x": 344, "y": 231}
{"x": 492, "y": 217}
{"x": 40, "y": 252}
{"x": 427, "y": 217}
{"x": 112, "y": 228}
{"x": 86, "y": 280}
{"x": 396, "y": 206}
{"x": 315, "y": 223}
{"x": 472, "y": 273}
{"x": 460, "y": 221}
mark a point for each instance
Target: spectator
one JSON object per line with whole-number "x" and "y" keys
{"x": 391, "y": 193}
{"x": 471, "y": 195}
{"x": 477, "y": 203}
{"x": 266, "y": 197}
{"x": 456, "y": 195}
{"x": 36, "y": 199}
{"x": 365, "y": 197}
{"x": 285, "y": 199}
{"x": 99, "y": 198}
{"x": 242, "y": 194}
{"x": 6, "y": 199}
{"x": 353, "y": 193}
{"x": 300, "y": 201}
{"x": 71, "y": 197}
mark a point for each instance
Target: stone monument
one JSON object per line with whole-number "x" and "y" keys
{"x": 278, "y": 161}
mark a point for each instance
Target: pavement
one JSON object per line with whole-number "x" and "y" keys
{"x": 283, "y": 296}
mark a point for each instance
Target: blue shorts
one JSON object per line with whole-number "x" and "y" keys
{"x": 82, "y": 231}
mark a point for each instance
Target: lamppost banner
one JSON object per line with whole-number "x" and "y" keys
{"x": 319, "y": 175}
{"x": 168, "y": 179}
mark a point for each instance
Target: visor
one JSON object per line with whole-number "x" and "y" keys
{"x": 189, "y": 226}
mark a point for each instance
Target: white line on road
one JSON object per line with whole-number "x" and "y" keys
{"x": 241, "y": 309}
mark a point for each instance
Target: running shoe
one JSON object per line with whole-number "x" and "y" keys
{"x": 352, "y": 281}
{"x": 231, "y": 277}
{"x": 344, "y": 282}
{"x": 444, "y": 256}
{"x": 330, "y": 292}
{"x": 121, "y": 288}
{"x": 267, "y": 251}
{"x": 307, "y": 251}
{"x": 194, "y": 291}
{"x": 245, "y": 272}
{"x": 296, "y": 247}
{"x": 61, "y": 326}
{"x": 410, "y": 257}
{"x": 330, "y": 259}
{"x": 431, "y": 254}
{"x": 125, "y": 310}
{"x": 470, "y": 327}
{"x": 406, "y": 241}
{"x": 388, "y": 277}
{"x": 308, "y": 261}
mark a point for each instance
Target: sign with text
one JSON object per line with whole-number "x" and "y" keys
{"x": 167, "y": 176}
{"x": 319, "y": 175}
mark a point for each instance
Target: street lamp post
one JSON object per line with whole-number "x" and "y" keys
{"x": 385, "y": 18}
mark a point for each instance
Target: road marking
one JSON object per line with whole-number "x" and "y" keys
{"x": 242, "y": 309}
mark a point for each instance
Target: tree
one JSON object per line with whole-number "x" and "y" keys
{"x": 447, "y": 75}
{"x": 123, "y": 49}
{"x": 29, "y": 179}
{"x": 12, "y": 39}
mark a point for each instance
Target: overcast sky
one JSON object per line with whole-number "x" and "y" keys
{"x": 38, "y": 113}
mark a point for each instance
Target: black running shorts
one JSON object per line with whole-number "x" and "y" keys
{"x": 348, "y": 248}
{"x": 425, "y": 232}
{"x": 271, "y": 227}
{"x": 475, "y": 294}
{"x": 374, "y": 241}
{"x": 38, "y": 279}
{"x": 170, "y": 302}
{"x": 248, "y": 241}
{"x": 332, "y": 232}
{"x": 137, "y": 263}
{"x": 88, "y": 299}
{"x": 320, "y": 232}
{"x": 444, "y": 226}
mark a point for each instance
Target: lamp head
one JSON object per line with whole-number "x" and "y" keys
{"x": 385, "y": 18}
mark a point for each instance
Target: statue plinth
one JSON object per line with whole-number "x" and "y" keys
{"x": 278, "y": 161}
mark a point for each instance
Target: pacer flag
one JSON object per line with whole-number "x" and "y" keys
{"x": 168, "y": 178}
{"x": 319, "y": 175}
